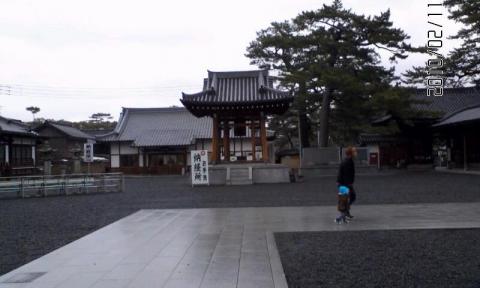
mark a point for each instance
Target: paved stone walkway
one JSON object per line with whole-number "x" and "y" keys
{"x": 220, "y": 247}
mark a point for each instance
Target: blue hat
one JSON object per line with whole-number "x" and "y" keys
{"x": 343, "y": 190}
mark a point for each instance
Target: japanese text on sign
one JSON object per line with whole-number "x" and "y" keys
{"x": 199, "y": 167}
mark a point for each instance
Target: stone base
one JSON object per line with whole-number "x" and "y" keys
{"x": 223, "y": 174}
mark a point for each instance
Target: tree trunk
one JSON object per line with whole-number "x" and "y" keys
{"x": 303, "y": 126}
{"x": 324, "y": 116}
{"x": 302, "y": 117}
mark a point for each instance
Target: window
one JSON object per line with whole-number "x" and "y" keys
{"x": 240, "y": 129}
{"x": 156, "y": 160}
{"x": 166, "y": 159}
{"x": 2, "y": 154}
{"x": 171, "y": 159}
{"x": 129, "y": 160}
{"x": 21, "y": 155}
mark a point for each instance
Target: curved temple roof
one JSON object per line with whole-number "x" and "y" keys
{"x": 466, "y": 115}
{"x": 250, "y": 91}
{"x": 155, "y": 127}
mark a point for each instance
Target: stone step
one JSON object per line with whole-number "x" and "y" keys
{"x": 240, "y": 177}
{"x": 240, "y": 182}
{"x": 239, "y": 172}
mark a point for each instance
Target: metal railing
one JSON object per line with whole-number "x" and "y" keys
{"x": 47, "y": 185}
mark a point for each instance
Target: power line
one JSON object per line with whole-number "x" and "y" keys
{"x": 94, "y": 88}
{"x": 74, "y": 93}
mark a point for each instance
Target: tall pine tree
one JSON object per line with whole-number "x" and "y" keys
{"x": 464, "y": 62}
{"x": 331, "y": 58}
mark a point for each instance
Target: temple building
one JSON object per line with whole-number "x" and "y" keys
{"x": 155, "y": 140}
{"x": 238, "y": 103}
{"x": 17, "y": 148}
{"x": 446, "y": 136}
{"x": 227, "y": 118}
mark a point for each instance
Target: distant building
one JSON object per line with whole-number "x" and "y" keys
{"x": 156, "y": 140}
{"x": 238, "y": 103}
{"x": 66, "y": 141}
{"x": 101, "y": 149}
{"x": 17, "y": 147}
{"x": 447, "y": 136}
{"x": 159, "y": 140}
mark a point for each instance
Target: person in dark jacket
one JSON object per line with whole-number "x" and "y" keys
{"x": 346, "y": 176}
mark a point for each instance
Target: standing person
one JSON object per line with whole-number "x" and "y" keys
{"x": 346, "y": 176}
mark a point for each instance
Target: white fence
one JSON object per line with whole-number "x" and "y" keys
{"x": 27, "y": 186}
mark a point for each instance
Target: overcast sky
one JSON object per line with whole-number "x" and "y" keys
{"x": 75, "y": 58}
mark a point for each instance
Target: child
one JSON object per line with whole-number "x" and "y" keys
{"x": 342, "y": 204}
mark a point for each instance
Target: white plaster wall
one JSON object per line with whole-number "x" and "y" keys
{"x": 115, "y": 161}
{"x": 127, "y": 149}
{"x": 113, "y": 148}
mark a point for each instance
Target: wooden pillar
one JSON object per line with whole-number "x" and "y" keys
{"x": 215, "y": 140}
{"x": 263, "y": 135}
{"x": 226, "y": 140}
{"x": 465, "y": 155}
{"x": 252, "y": 129}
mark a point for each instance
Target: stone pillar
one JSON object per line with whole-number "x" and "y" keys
{"x": 77, "y": 166}
{"x": 263, "y": 135}
{"x": 47, "y": 167}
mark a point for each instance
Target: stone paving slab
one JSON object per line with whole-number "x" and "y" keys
{"x": 219, "y": 247}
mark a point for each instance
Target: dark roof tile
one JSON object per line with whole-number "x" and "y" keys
{"x": 15, "y": 127}
{"x": 467, "y": 115}
{"x": 236, "y": 87}
{"x": 146, "y": 127}
{"x": 452, "y": 101}
{"x": 70, "y": 131}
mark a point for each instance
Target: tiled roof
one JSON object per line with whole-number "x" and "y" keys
{"x": 466, "y": 115}
{"x": 236, "y": 87}
{"x": 452, "y": 101}
{"x": 147, "y": 127}
{"x": 367, "y": 138}
{"x": 97, "y": 132}
{"x": 158, "y": 137}
{"x": 71, "y": 131}
{"x": 14, "y": 127}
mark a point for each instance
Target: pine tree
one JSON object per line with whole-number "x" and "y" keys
{"x": 330, "y": 58}
{"x": 464, "y": 62}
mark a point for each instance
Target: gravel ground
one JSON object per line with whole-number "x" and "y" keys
{"x": 30, "y": 228}
{"x": 388, "y": 258}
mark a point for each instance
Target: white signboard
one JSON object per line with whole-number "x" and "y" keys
{"x": 88, "y": 152}
{"x": 199, "y": 167}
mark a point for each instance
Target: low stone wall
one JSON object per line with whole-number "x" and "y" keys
{"x": 271, "y": 174}
{"x": 217, "y": 175}
{"x": 261, "y": 173}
